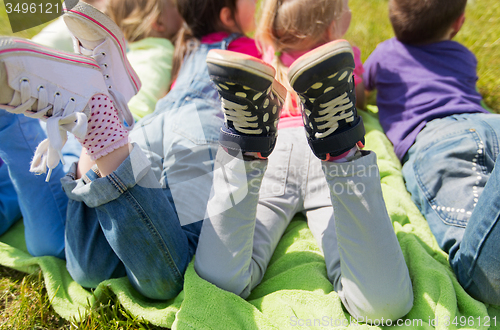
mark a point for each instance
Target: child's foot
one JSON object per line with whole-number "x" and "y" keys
{"x": 251, "y": 99}
{"x": 323, "y": 80}
{"x": 52, "y": 85}
{"x": 96, "y": 35}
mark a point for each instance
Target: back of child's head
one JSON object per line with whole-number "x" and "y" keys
{"x": 423, "y": 21}
{"x": 295, "y": 25}
{"x": 136, "y": 17}
{"x": 201, "y": 17}
{"x": 99, "y": 4}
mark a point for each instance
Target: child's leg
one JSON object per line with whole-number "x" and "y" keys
{"x": 89, "y": 257}
{"x": 123, "y": 221}
{"x": 29, "y": 87}
{"x": 475, "y": 260}
{"x": 9, "y": 205}
{"x": 140, "y": 226}
{"x": 367, "y": 266}
{"x": 42, "y": 204}
{"x": 447, "y": 171}
{"x": 363, "y": 256}
{"x": 242, "y": 230}
{"x": 135, "y": 215}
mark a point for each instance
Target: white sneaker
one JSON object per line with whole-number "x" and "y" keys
{"x": 51, "y": 85}
{"x": 96, "y": 35}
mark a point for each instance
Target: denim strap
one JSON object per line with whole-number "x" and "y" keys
{"x": 229, "y": 39}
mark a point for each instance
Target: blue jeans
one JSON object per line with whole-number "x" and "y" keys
{"x": 452, "y": 175}
{"x": 10, "y": 210}
{"x": 9, "y": 206}
{"x": 144, "y": 219}
{"x": 43, "y": 205}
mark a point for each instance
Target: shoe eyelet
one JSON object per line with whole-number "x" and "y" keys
{"x": 72, "y": 99}
{"x": 24, "y": 80}
{"x": 38, "y": 88}
{"x": 109, "y": 87}
{"x": 105, "y": 65}
{"x": 57, "y": 94}
{"x": 106, "y": 76}
{"x": 103, "y": 54}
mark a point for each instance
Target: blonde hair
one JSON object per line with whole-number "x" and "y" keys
{"x": 294, "y": 25}
{"x": 135, "y": 17}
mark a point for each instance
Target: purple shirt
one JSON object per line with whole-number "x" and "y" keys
{"x": 416, "y": 84}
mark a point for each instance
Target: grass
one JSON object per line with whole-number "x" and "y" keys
{"x": 24, "y": 303}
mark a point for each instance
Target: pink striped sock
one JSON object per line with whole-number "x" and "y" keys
{"x": 105, "y": 131}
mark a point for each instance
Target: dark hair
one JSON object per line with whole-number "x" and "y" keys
{"x": 423, "y": 21}
{"x": 201, "y": 17}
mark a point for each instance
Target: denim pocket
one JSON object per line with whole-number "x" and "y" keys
{"x": 274, "y": 181}
{"x": 450, "y": 171}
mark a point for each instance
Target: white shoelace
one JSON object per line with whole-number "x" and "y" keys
{"x": 241, "y": 117}
{"x": 334, "y": 111}
{"x": 48, "y": 153}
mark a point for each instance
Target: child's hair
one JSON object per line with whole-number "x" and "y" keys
{"x": 99, "y": 4}
{"x": 294, "y": 25}
{"x": 421, "y": 22}
{"x": 201, "y": 17}
{"x": 135, "y": 17}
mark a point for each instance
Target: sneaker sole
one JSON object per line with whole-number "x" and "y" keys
{"x": 317, "y": 56}
{"x": 241, "y": 62}
{"x": 85, "y": 12}
{"x": 249, "y": 64}
{"x": 9, "y": 46}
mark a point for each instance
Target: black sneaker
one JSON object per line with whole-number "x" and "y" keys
{"x": 251, "y": 100}
{"x": 324, "y": 82}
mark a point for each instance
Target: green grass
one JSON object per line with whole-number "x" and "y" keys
{"x": 24, "y": 303}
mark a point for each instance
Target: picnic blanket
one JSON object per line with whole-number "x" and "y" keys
{"x": 295, "y": 291}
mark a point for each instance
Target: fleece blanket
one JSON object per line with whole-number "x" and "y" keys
{"x": 295, "y": 292}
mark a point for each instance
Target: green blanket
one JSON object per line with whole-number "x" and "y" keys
{"x": 295, "y": 292}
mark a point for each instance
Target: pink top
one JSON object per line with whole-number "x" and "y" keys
{"x": 242, "y": 44}
{"x": 294, "y": 118}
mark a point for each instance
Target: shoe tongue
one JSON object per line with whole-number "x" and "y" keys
{"x": 6, "y": 93}
{"x": 85, "y": 51}
{"x": 91, "y": 44}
